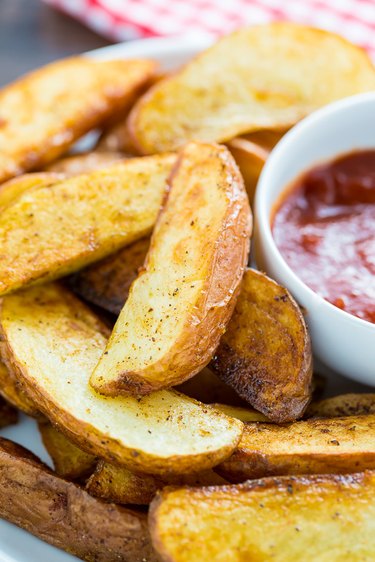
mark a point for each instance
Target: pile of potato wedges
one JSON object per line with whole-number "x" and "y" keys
{"x": 172, "y": 383}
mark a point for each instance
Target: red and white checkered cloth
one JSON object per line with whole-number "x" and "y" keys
{"x": 121, "y": 20}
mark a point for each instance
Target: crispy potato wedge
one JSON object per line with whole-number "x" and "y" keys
{"x": 11, "y": 390}
{"x": 123, "y": 486}
{"x": 12, "y": 189}
{"x": 82, "y": 163}
{"x": 8, "y": 414}
{"x": 250, "y": 158}
{"x": 46, "y": 111}
{"x": 62, "y": 514}
{"x": 207, "y": 387}
{"x": 265, "y": 354}
{"x": 243, "y": 414}
{"x": 180, "y": 304}
{"x": 52, "y": 231}
{"x": 107, "y": 283}
{"x": 68, "y": 460}
{"x": 52, "y": 342}
{"x": 342, "y": 405}
{"x": 337, "y": 445}
{"x": 262, "y": 77}
{"x": 328, "y": 518}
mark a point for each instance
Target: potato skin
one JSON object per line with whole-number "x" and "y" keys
{"x": 265, "y": 354}
{"x": 342, "y": 405}
{"x": 11, "y": 390}
{"x": 64, "y": 515}
{"x": 325, "y": 518}
{"x": 337, "y": 445}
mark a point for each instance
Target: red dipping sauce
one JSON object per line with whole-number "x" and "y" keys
{"x": 324, "y": 226}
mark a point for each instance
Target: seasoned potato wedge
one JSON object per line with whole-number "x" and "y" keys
{"x": 328, "y": 518}
{"x": 265, "y": 354}
{"x": 82, "y": 163}
{"x": 250, "y": 158}
{"x": 68, "y": 460}
{"x": 207, "y": 387}
{"x": 336, "y": 445}
{"x": 46, "y": 111}
{"x": 8, "y": 414}
{"x": 123, "y": 486}
{"x": 179, "y": 305}
{"x": 107, "y": 283}
{"x": 240, "y": 413}
{"x": 263, "y": 77}
{"x": 62, "y": 514}
{"x": 342, "y": 405}
{"x": 12, "y": 189}
{"x": 52, "y": 342}
{"x": 11, "y": 390}
{"x": 52, "y": 231}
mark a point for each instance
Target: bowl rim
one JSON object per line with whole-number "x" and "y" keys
{"x": 262, "y": 216}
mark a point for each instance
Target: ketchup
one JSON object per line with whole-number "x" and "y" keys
{"x": 324, "y": 227}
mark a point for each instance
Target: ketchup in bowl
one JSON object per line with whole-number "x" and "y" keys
{"x": 324, "y": 227}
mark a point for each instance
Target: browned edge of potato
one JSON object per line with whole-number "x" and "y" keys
{"x": 180, "y": 304}
{"x": 337, "y": 445}
{"x": 79, "y": 220}
{"x": 342, "y": 405}
{"x": 66, "y": 516}
{"x": 11, "y": 390}
{"x": 46, "y": 111}
{"x": 265, "y": 354}
{"x": 291, "y": 518}
{"x": 69, "y": 461}
{"x": 106, "y": 283}
{"x": 51, "y": 341}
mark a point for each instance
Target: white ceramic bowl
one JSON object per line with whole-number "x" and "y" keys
{"x": 343, "y": 342}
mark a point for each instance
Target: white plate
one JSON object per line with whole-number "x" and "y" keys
{"x": 15, "y": 544}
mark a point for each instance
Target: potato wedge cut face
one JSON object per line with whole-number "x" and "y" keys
{"x": 244, "y": 414}
{"x": 309, "y": 518}
{"x": 51, "y": 231}
{"x": 337, "y": 445}
{"x": 265, "y": 354}
{"x": 262, "y": 77}
{"x": 180, "y": 303}
{"x": 45, "y": 112}
{"x": 83, "y": 163}
{"x": 66, "y": 516}
{"x": 52, "y": 342}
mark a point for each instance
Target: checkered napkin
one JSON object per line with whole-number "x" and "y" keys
{"x": 121, "y": 20}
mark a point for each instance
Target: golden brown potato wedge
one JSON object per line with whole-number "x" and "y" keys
{"x": 55, "y": 230}
{"x": 180, "y": 304}
{"x": 46, "y": 111}
{"x": 244, "y": 414}
{"x": 52, "y": 341}
{"x": 11, "y": 390}
{"x": 342, "y": 405}
{"x": 250, "y": 158}
{"x": 336, "y": 445}
{"x": 262, "y": 77}
{"x": 82, "y": 163}
{"x": 265, "y": 354}
{"x": 123, "y": 486}
{"x": 207, "y": 387}
{"x": 8, "y": 414}
{"x": 68, "y": 460}
{"x": 62, "y": 514}
{"x": 107, "y": 283}
{"x": 328, "y": 518}
{"x": 11, "y": 190}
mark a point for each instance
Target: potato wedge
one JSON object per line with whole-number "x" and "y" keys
{"x": 62, "y": 514}
{"x": 123, "y": 486}
{"x": 52, "y": 231}
{"x": 69, "y": 461}
{"x": 342, "y": 405}
{"x": 265, "y": 354}
{"x": 326, "y": 518}
{"x": 207, "y": 387}
{"x": 12, "y": 189}
{"x": 46, "y": 111}
{"x": 107, "y": 283}
{"x": 8, "y": 414}
{"x": 244, "y": 414}
{"x": 82, "y": 163}
{"x": 337, "y": 445}
{"x": 181, "y": 302}
{"x": 262, "y": 77}
{"x": 52, "y": 342}
{"x": 12, "y": 392}
{"x": 250, "y": 158}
